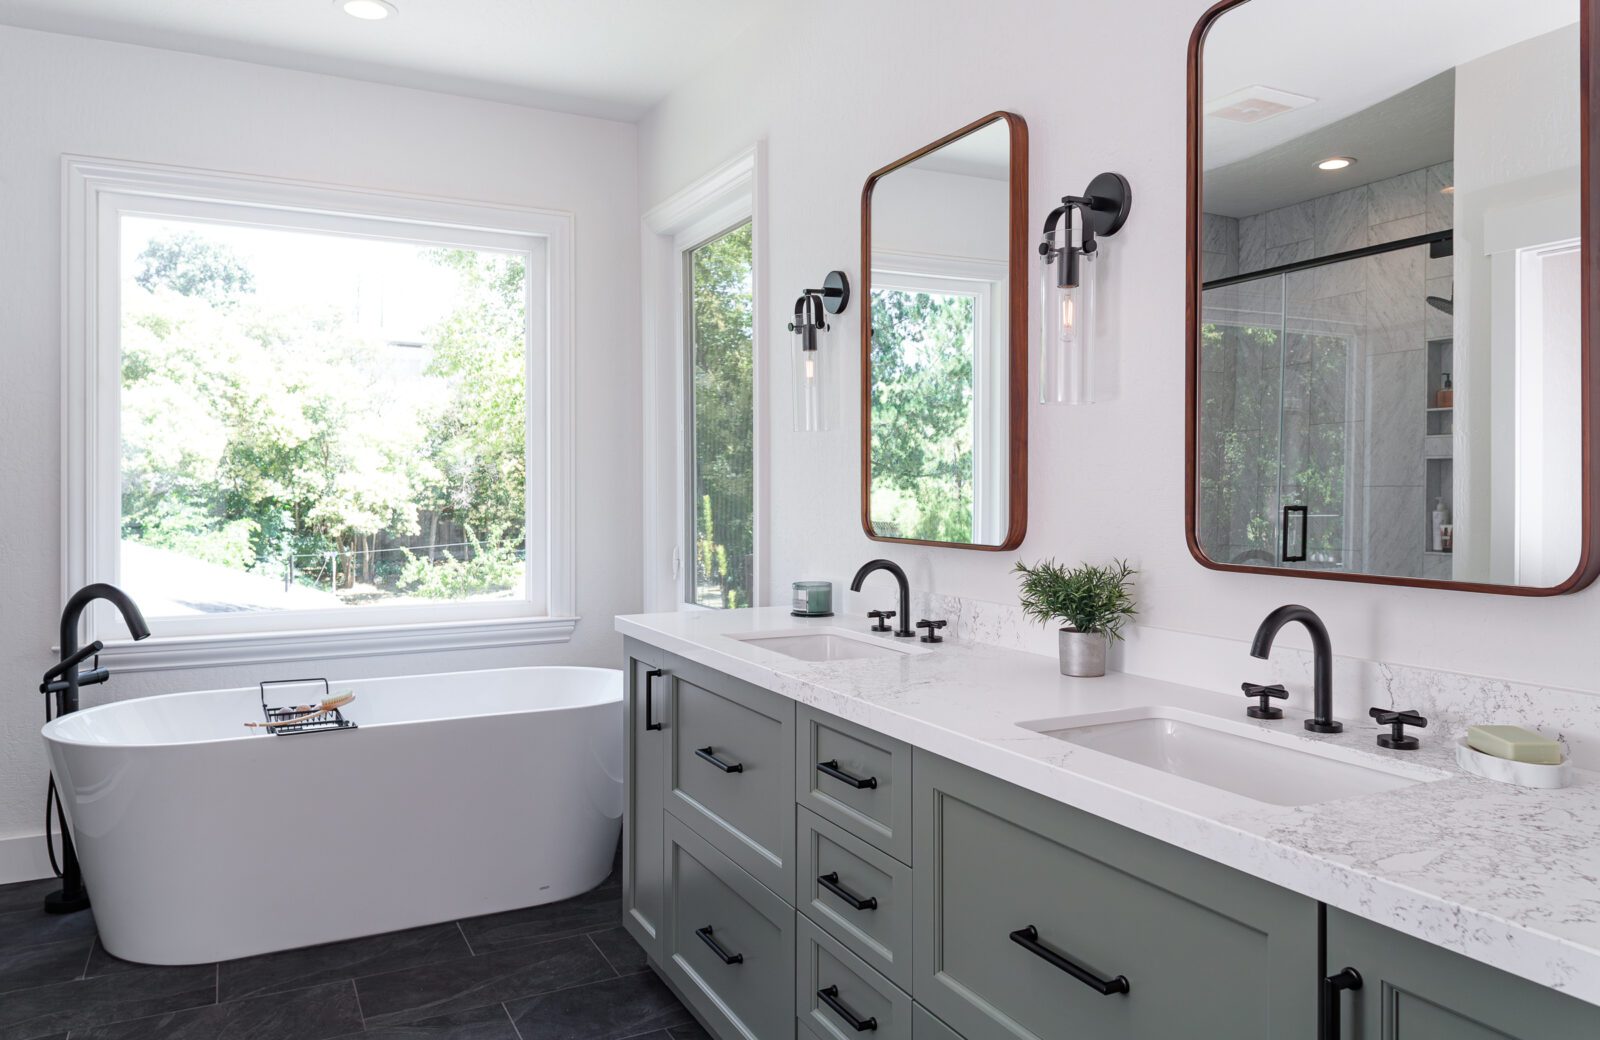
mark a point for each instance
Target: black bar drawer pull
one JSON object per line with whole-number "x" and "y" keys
{"x": 1028, "y": 939}
{"x": 831, "y": 883}
{"x": 650, "y": 698}
{"x": 831, "y": 768}
{"x": 716, "y": 947}
{"x": 726, "y": 767}
{"x": 1328, "y": 1000}
{"x": 830, "y": 997}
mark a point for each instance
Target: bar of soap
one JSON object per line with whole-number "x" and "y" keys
{"x": 1514, "y": 743}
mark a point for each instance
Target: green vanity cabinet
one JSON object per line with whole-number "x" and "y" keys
{"x": 1413, "y": 990}
{"x": 794, "y": 876}
{"x": 643, "y": 819}
{"x": 1036, "y": 920}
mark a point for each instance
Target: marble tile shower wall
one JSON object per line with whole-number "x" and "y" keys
{"x": 1326, "y": 371}
{"x": 1451, "y": 701}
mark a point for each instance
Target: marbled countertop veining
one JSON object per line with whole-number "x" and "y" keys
{"x": 1504, "y": 875}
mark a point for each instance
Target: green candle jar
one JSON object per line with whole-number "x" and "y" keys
{"x": 813, "y": 599}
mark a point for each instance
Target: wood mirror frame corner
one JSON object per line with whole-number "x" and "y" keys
{"x": 1588, "y": 566}
{"x": 1018, "y": 329}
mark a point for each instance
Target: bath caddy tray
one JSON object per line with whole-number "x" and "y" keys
{"x": 284, "y": 716}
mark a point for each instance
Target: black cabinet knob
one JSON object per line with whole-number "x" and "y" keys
{"x": 1396, "y": 738}
{"x": 883, "y": 617}
{"x": 933, "y": 630}
{"x": 1264, "y": 710}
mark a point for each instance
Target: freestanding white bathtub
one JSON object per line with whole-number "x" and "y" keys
{"x": 459, "y": 794}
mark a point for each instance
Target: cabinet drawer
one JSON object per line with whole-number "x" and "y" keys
{"x": 925, "y": 1027}
{"x": 839, "y": 996}
{"x": 835, "y": 867}
{"x": 732, "y": 770}
{"x": 856, "y": 778}
{"x": 1022, "y": 903}
{"x": 729, "y": 941}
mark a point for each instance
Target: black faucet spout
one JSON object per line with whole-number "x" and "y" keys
{"x": 1322, "y": 720}
{"x": 904, "y": 615}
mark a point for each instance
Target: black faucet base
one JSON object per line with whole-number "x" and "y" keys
{"x": 1256, "y": 711}
{"x": 64, "y": 902}
{"x": 1324, "y": 727}
{"x": 1398, "y": 743}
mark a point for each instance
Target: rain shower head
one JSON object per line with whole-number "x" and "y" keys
{"x": 1439, "y": 303}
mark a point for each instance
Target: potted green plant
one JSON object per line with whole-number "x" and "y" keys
{"x": 1093, "y": 602}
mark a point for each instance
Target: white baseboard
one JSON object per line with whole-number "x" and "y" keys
{"x": 23, "y": 858}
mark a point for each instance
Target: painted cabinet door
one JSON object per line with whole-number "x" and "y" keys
{"x": 1413, "y": 990}
{"x": 1035, "y": 921}
{"x": 643, "y": 819}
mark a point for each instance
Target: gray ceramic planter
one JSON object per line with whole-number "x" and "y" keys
{"x": 1083, "y": 654}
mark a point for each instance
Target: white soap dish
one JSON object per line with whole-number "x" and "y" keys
{"x": 1505, "y": 771}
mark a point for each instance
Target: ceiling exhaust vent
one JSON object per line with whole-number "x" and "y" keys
{"x": 1255, "y": 104}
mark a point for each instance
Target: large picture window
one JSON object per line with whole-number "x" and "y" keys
{"x": 315, "y": 408}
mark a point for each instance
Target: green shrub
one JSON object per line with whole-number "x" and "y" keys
{"x": 1087, "y": 598}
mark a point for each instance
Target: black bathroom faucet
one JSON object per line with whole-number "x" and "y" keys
{"x": 1322, "y": 720}
{"x": 905, "y": 630}
{"x": 63, "y": 679}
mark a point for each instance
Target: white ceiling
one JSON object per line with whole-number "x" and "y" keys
{"x": 611, "y": 58}
{"x": 1350, "y": 56}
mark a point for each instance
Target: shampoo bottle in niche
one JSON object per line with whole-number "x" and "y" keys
{"x": 1447, "y": 394}
{"x": 1441, "y": 520}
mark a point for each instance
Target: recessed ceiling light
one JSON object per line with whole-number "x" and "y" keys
{"x": 367, "y": 10}
{"x": 1337, "y": 162}
{"x": 1448, "y": 189}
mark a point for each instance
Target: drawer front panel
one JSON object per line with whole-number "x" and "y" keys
{"x": 1028, "y": 910}
{"x": 732, "y": 773}
{"x": 925, "y": 1027}
{"x": 840, "y": 997}
{"x": 856, "y": 778}
{"x": 836, "y": 871}
{"x": 645, "y": 764}
{"x": 729, "y": 942}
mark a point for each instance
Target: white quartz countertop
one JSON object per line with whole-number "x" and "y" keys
{"x": 1505, "y": 875}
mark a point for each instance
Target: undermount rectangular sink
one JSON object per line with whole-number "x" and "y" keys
{"x": 825, "y": 645}
{"x": 1207, "y": 751}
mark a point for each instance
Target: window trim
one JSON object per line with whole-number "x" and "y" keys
{"x": 723, "y": 199}
{"x": 96, "y": 192}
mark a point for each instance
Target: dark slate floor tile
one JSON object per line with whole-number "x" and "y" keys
{"x": 34, "y": 927}
{"x": 590, "y": 912}
{"x": 101, "y": 962}
{"x": 30, "y": 966}
{"x": 317, "y": 1013}
{"x": 26, "y": 895}
{"x": 689, "y": 1031}
{"x": 624, "y": 1007}
{"x": 491, "y": 978}
{"x": 372, "y": 955}
{"x": 485, "y": 1023}
{"x": 74, "y": 1006}
{"x": 620, "y": 950}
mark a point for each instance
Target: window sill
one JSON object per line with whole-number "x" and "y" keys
{"x": 173, "y": 652}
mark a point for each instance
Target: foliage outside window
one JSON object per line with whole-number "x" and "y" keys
{"x": 312, "y": 420}
{"x": 722, "y": 444}
{"x": 922, "y": 380}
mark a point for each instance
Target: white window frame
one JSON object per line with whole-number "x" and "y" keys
{"x": 985, "y": 281}
{"x": 98, "y": 193}
{"x": 719, "y": 202}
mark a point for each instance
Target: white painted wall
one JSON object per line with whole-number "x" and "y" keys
{"x": 64, "y": 94}
{"x": 1106, "y": 479}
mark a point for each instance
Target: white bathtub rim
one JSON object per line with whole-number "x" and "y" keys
{"x": 51, "y": 730}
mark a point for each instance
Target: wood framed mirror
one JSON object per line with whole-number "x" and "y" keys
{"x": 1391, "y": 292}
{"x": 944, "y": 333}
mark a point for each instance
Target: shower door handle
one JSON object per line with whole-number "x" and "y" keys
{"x": 1295, "y": 516}
{"x": 650, "y": 678}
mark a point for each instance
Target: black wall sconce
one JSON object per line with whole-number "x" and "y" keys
{"x": 810, "y": 318}
{"x": 1067, "y": 285}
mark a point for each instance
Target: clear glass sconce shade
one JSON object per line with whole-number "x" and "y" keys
{"x": 809, "y": 399}
{"x": 1066, "y": 359}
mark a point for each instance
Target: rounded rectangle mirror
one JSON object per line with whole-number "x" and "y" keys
{"x": 1390, "y": 347}
{"x": 944, "y": 419}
